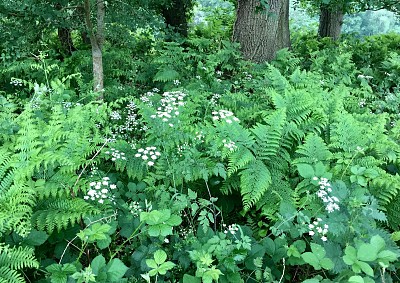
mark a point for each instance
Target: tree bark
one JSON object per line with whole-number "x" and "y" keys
{"x": 260, "y": 32}
{"x": 96, "y": 41}
{"x": 330, "y": 22}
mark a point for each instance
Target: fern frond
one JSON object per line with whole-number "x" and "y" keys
{"x": 313, "y": 150}
{"x": 8, "y": 275}
{"x": 239, "y": 159}
{"x": 385, "y": 187}
{"x": 18, "y": 258}
{"x": 254, "y": 182}
{"x": 13, "y": 259}
{"x": 58, "y": 214}
{"x": 268, "y": 137}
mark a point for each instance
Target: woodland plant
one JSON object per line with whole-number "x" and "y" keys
{"x": 211, "y": 169}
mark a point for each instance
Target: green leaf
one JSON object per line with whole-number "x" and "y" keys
{"x": 102, "y": 244}
{"x": 366, "y": 252}
{"x": 192, "y": 195}
{"x": 166, "y": 74}
{"x": 190, "y": 279}
{"x": 163, "y": 268}
{"x": 305, "y": 170}
{"x": 174, "y": 220}
{"x": 116, "y": 270}
{"x": 311, "y": 259}
{"x": 35, "y": 238}
{"x": 160, "y": 256}
{"x": 356, "y": 279}
{"x": 318, "y": 250}
{"x": 387, "y": 255}
{"x": 350, "y": 256}
{"x": 151, "y": 263}
{"x": 366, "y": 268}
{"x": 98, "y": 263}
{"x": 327, "y": 263}
{"x": 378, "y": 243}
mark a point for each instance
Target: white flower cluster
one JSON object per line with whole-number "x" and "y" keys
{"x": 230, "y": 145}
{"x": 225, "y": 115}
{"x": 362, "y": 103}
{"x": 146, "y": 97}
{"x": 182, "y": 148}
{"x": 364, "y": 77}
{"x": 169, "y": 106}
{"x": 148, "y": 153}
{"x": 248, "y": 76}
{"x": 200, "y": 136}
{"x": 135, "y": 208}
{"x": 115, "y": 115}
{"x": 214, "y": 99}
{"x": 116, "y": 154}
{"x": 93, "y": 171}
{"x": 324, "y": 193}
{"x": 100, "y": 191}
{"x": 219, "y": 73}
{"x": 317, "y": 229}
{"x": 231, "y": 229}
{"x": 16, "y": 82}
{"x": 177, "y": 82}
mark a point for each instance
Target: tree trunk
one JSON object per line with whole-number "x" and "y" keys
{"x": 262, "y": 32}
{"x": 330, "y": 22}
{"x": 65, "y": 38}
{"x": 96, "y": 41}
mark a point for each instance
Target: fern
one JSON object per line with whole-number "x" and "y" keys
{"x": 58, "y": 214}
{"x": 313, "y": 150}
{"x": 268, "y": 137}
{"x": 239, "y": 159}
{"x": 13, "y": 259}
{"x": 254, "y": 181}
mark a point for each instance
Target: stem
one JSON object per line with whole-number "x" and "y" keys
{"x": 119, "y": 248}
{"x": 213, "y": 207}
{"x": 347, "y": 167}
{"x": 283, "y": 272}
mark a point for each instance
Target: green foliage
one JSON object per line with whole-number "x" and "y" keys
{"x": 200, "y": 167}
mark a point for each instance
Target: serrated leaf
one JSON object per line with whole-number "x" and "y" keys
{"x": 327, "y": 263}
{"x": 350, "y": 256}
{"x": 115, "y": 270}
{"x": 387, "y": 255}
{"x": 318, "y": 250}
{"x": 366, "y": 268}
{"x": 311, "y": 259}
{"x": 366, "y": 252}
{"x": 378, "y": 243}
{"x": 163, "y": 268}
{"x": 174, "y": 220}
{"x": 97, "y": 263}
{"x": 151, "y": 263}
{"x": 160, "y": 256}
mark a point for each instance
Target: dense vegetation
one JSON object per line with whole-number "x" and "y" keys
{"x": 195, "y": 165}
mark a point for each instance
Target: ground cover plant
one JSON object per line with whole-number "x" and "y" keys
{"x": 198, "y": 165}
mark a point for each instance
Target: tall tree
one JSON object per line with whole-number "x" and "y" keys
{"x": 262, "y": 28}
{"x": 330, "y": 21}
{"x": 331, "y": 12}
{"x": 96, "y": 40}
